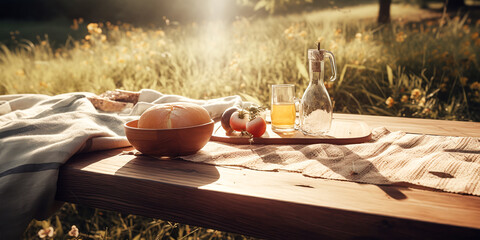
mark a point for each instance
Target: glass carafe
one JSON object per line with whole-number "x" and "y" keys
{"x": 316, "y": 108}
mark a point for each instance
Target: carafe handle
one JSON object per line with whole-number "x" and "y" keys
{"x": 332, "y": 64}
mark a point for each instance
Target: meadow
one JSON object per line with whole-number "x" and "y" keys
{"x": 426, "y": 69}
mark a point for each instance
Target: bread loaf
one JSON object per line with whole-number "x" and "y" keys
{"x": 173, "y": 115}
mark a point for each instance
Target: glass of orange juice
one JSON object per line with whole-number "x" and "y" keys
{"x": 283, "y": 111}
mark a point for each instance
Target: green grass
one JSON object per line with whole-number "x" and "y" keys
{"x": 427, "y": 69}
{"x": 245, "y": 57}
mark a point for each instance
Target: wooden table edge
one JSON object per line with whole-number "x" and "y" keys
{"x": 240, "y": 212}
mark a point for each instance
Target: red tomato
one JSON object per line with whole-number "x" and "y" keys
{"x": 257, "y": 127}
{"x": 238, "y": 121}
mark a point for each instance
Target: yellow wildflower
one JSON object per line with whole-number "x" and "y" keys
{"x": 338, "y": 32}
{"x": 474, "y": 36}
{"x": 390, "y": 102}
{"x": 160, "y": 33}
{"x": 358, "y": 36}
{"x": 404, "y": 99}
{"x": 400, "y": 37}
{"x": 475, "y": 86}
{"x": 302, "y": 33}
{"x": 20, "y": 73}
{"x": 288, "y": 30}
{"x": 416, "y": 93}
{"x": 92, "y": 26}
{"x": 75, "y": 24}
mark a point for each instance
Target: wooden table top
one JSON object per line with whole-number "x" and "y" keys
{"x": 278, "y": 205}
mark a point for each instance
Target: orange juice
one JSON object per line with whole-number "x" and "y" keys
{"x": 283, "y": 116}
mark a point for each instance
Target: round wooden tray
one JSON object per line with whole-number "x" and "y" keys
{"x": 342, "y": 132}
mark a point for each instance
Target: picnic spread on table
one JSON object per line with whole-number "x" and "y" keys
{"x": 40, "y": 133}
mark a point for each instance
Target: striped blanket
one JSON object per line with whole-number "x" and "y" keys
{"x": 39, "y": 133}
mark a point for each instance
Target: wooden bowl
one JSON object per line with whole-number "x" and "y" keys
{"x": 168, "y": 142}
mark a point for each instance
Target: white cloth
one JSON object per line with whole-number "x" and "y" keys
{"x": 215, "y": 107}
{"x": 38, "y": 133}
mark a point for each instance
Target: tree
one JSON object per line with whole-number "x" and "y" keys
{"x": 272, "y": 5}
{"x": 384, "y": 11}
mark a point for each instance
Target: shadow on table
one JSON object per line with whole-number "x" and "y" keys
{"x": 170, "y": 171}
{"x": 341, "y": 161}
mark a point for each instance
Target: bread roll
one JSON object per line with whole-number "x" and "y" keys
{"x": 173, "y": 115}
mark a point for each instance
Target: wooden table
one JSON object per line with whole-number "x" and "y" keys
{"x": 278, "y": 205}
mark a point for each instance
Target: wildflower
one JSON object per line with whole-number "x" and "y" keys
{"x": 463, "y": 81}
{"x": 288, "y": 30}
{"x": 103, "y": 38}
{"x": 93, "y": 28}
{"x": 475, "y": 86}
{"x": 338, "y": 32}
{"x": 75, "y": 24}
{"x": 474, "y": 36}
{"x": 400, "y": 37}
{"x": 73, "y": 231}
{"x": 46, "y": 232}
{"x": 302, "y": 33}
{"x": 426, "y": 110}
{"x": 358, "y": 36}
{"x": 160, "y": 33}
{"x": 43, "y": 43}
{"x": 390, "y": 102}
{"x": 416, "y": 93}
{"x": 20, "y": 73}
{"x": 404, "y": 99}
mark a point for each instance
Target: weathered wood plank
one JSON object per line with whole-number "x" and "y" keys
{"x": 272, "y": 204}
